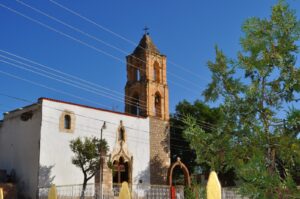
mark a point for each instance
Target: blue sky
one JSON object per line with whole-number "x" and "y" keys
{"x": 185, "y": 31}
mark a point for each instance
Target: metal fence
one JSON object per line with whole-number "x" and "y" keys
{"x": 231, "y": 193}
{"x": 138, "y": 191}
{"x": 70, "y": 192}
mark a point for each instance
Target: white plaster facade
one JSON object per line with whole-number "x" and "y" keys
{"x": 19, "y": 147}
{"x": 39, "y": 151}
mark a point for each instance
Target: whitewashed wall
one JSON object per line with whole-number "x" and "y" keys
{"x": 55, "y": 153}
{"x": 19, "y": 148}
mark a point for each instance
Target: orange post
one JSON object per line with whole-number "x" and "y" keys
{"x": 173, "y": 192}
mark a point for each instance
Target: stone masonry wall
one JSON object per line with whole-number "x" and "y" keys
{"x": 159, "y": 150}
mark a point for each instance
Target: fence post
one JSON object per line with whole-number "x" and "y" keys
{"x": 1, "y": 194}
{"x": 213, "y": 186}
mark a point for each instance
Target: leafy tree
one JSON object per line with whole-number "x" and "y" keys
{"x": 87, "y": 153}
{"x": 254, "y": 88}
{"x": 207, "y": 117}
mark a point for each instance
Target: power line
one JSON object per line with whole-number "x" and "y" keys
{"x": 97, "y": 39}
{"x": 61, "y": 72}
{"x": 14, "y": 76}
{"x": 88, "y": 117}
{"x": 68, "y": 83}
{"x": 79, "y": 41}
{"x": 205, "y": 124}
{"x": 50, "y": 88}
{"x": 68, "y": 36}
{"x": 91, "y": 86}
{"x": 118, "y": 35}
{"x": 71, "y": 83}
{"x": 89, "y": 83}
{"x": 85, "y": 130}
{"x": 64, "y": 34}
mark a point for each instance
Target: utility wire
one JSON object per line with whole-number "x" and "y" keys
{"x": 84, "y": 127}
{"x": 63, "y": 92}
{"x": 77, "y": 79}
{"x": 120, "y": 36}
{"x": 64, "y": 34}
{"x": 81, "y": 42}
{"x": 71, "y": 83}
{"x": 50, "y": 88}
{"x": 98, "y": 40}
{"x": 87, "y": 117}
{"x": 130, "y": 100}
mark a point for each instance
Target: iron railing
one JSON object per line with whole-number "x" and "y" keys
{"x": 138, "y": 191}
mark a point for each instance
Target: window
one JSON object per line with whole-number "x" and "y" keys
{"x": 138, "y": 75}
{"x": 67, "y": 122}
{"x": 135, "y": 105}
{"x": 156, "y": 73}
{"x": 135, "y": 73}
{"x": 157, "y": 105}
{"x": 26, "y": 116}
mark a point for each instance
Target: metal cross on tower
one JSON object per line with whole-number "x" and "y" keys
{"x": 146, "y": 29}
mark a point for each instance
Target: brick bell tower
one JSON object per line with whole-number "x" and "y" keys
{"x": 147, "y": 94}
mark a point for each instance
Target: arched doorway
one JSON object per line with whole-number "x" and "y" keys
{"x": 121, "y": 171}
{"x": 185, "y": 170}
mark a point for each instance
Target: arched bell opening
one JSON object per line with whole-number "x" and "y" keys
{"x": 157, "y": 105}
{"x": 156, "y": 72}
{"x": 135, "y": 108}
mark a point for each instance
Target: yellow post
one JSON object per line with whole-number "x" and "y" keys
{"x": 124, "y": 192}
{"x": 52, "y": 192}
{"x": 213, "y": 187}
{"x": 1, "y": 193}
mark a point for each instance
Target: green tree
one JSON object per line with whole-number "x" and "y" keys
{"x": 87, "y": 153}
{"x": 254, "y": 88}
{"x": 207, "y": 118}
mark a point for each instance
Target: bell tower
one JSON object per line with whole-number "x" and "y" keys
{"x": 146, "y": 91}
{"x": 147, "y": 94}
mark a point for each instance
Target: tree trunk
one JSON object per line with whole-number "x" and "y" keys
{"x": 83, "y": 189}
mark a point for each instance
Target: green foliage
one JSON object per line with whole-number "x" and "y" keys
{"x": 195, "y": 192}
{"x": 179, "y": 143}
{"x": 256, "y": 174}
{"x": 189, "y": 193}
{"x": 254, "y": 140}
{"x": 87, "y": 153}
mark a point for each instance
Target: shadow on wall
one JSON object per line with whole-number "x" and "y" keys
{"x": 158, "y": 171}
{"x": 157, "y": 175}
{"x": 157, "y": 187}
{"x": 143, "y": 177}
{"x": 165, "y": 143}
{"x": 45, "y": 178}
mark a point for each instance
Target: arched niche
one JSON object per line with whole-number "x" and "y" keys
{"x": 121, "y": 136}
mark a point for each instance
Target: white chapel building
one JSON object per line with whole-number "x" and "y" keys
{"x": 34, "y": 140}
